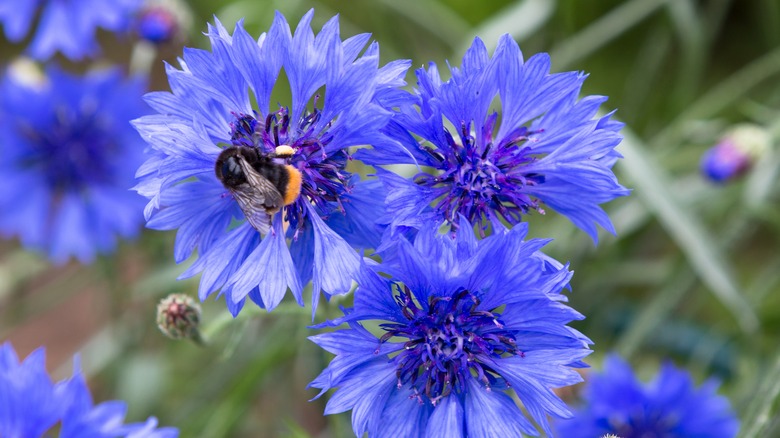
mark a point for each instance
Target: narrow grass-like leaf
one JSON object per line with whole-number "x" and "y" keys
{"x": 602, "y": 31}
{"x": 759, "y": 412}
{"x": 688, "y": 25}
{"x": 450, "y": 27}
{"x": 17, "y": 267}
{"x": 655, "y": 312}
{"x": 685, "y": 228}
{"x": 520, "y": 20}
{"x": 721, "y": 96}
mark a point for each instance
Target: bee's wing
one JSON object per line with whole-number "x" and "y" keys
{"x": 258, "y": 199}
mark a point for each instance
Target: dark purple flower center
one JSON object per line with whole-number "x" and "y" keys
{"x": 448, "y": 343}
{"x": 482, "y": 180}
{"x": 75, "y": 152}
{"x": 324, "y": 179}
{"x": 645, "y": 425}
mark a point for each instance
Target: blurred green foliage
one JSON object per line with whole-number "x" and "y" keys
{"x": 693, "y": 275}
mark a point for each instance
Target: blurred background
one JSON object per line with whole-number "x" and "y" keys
{"x": 693, "y": 274}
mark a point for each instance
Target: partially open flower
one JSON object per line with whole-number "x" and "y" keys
{"x": 736, "y": 152}
{"x": 161, "y": 21}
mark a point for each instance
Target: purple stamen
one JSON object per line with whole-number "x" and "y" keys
{"x": 448, "y": 343}
{"x": 482, "y": 180}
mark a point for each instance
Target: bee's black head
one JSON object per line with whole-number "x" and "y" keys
{"x": 228, "y": 166}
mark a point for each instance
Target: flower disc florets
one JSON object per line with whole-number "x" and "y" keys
{"x": 545, "y": 147}
{"x": 481, "y": 183}
{"x": 448, "y": 344}
{"x": 465, "y": 325}
{"x": 222, "y": 98}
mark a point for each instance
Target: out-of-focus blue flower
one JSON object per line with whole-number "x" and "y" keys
{"x": 668, "y": 406}
{"x": 30, "y": 404}
{"x": 157, "y": 25}
{"x": 210, "y": 109}
{"x": 67, "y": 26}
{"x": 466, "y": 324}
{"x": 161, "y": 21}
{"x": 69, "y": 153}
{"x": 735, "y": 153}
{"x": 546, "y": 147}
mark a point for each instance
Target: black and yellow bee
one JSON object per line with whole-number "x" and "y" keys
{"x": 261, "y": 183}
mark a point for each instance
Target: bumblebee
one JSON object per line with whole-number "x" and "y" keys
{"x": 261, "y": 183}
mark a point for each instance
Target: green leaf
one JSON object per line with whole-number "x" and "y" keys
{"x": 602, "y": 31}
{"x": 685, "y": 228}
{"x": 520, "y": 20}
{"x": 758, "y": 415}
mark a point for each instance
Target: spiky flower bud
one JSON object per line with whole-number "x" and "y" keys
{"x": 736, "y": 152}
{"x": 178, "y": 317}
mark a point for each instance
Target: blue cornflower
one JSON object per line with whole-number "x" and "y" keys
{"x": 546, "y": 147}
{"x": 668, "y": 406}
{"x": 69, "y": 153}
{"x": 210, "y": 110}
{"x": 31, "y": 404}
{"x": 465, "y": 325}
{"x": 67, "y": 26}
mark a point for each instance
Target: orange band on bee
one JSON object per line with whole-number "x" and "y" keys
{"x": 293, "y": 185}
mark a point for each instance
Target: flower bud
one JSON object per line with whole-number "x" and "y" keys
{"x": 161, "y": 21}
{"x": 736, "y": 152}
{"x": 178, "y": 317}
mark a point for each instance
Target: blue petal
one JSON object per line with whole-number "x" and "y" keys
{"x": 374, "y": 298}
{"x": 223, "y": 259}
{"x": 447, "y": 420}
{"x": 17, "y": 17}
{"x": 74, "y": 43}
{"x": 27, "y": 403}
{"x": 403, "y": 416}
{"x": 260, "y": 62}
{"x": 493, "y": 413}
{"x": 309, "y": 60}
{"x": 362, "y": 207}
{"x": 533, "y": 376}
{"x": 302, "y": 252}
{"x": 335, "y": 262}
{"x": 270, "y": 269}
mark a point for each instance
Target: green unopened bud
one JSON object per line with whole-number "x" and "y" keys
{"x": 178, "y": 317}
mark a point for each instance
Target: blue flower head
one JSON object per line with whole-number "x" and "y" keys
{"x": 464, "y": 325}
{"x": 338, "y": 101}
{"x": 31, "y": 404}
{"x": 546, "y": 147}
{"x": 668, "y": 406}
{"x": 69, "y": 154}
{"x": 67, "y": 26}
